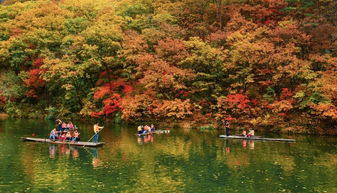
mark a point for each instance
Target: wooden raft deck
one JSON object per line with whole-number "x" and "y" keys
{"x": 256, "y": 138}
{"x": 78, "y": 143}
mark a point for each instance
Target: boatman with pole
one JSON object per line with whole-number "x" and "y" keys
{"x": 97, "y": 129}
{"x": 227, "y": 125}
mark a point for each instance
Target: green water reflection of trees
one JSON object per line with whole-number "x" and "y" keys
{"x": 182, "y": 161}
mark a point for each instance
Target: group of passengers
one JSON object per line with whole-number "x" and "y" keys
{"x": 65, "y": 132}
{"x": 145, "y": 129}
{"x": 251, "y": 133}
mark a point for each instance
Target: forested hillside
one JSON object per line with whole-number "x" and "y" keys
{"x": 259, "y": 62}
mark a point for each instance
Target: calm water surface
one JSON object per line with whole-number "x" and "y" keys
{"x": 182, "y": 161}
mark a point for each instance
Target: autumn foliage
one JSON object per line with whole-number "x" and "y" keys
{"x": 2, "y": 100}
{"x": 34, "y": 79}
{"x": 260, "y": 62}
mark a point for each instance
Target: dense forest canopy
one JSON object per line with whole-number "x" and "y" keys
{"x": 260, "y": 62}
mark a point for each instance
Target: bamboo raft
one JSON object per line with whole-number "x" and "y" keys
{"x": 256, "y": 138}
{"x": 155, "y": 132}
{"x": 76, "y": 143}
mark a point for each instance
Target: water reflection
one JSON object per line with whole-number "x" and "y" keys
{"x": 52, "y": 151}
{"x": 95, "y": 161}
{"x": 251, "y": 144}
{"x": 227, "y": 146}
{"x": 67, "y": 150}
{"x": 145, "y": 139}
{"x": 75, "y": 153}
{"x": 244, "y": 143}
{"x": 184, "y": 161}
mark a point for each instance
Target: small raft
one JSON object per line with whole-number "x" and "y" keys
{"x": 76, "y": 143}
{"x": 257, "y": 138}
{"x": 155, "y": 132}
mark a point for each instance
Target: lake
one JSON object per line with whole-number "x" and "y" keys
{"x": 185, "y": 160}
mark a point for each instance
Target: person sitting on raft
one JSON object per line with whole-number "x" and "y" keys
{"x": 251, "y": 133}
{"x": 64, "y": 127}
{"x": 244, "y": 133}
{"x": 147, "y": 129}
{"x": 68, "y": 136}
{"x": 70, "y": 126}
{"x": 63, "y": 137}
{"x": 53, "y": 134}
{"x": 152, "y": 128}
{"x": 76, "y": 136}
{"x": 140, "y": 130}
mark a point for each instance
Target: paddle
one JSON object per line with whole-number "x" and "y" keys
{"x": 85, "y": 148}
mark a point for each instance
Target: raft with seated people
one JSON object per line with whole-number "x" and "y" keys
{"x": 65, "y": 133}
{"x": 155, "y": 132}
{"x": 149, "y": 130}
{"x": 251, "y": 136}
{"x": 75, "y": 143}
{"x": 256, "y": 138}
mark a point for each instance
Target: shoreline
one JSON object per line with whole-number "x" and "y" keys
{"x": 188, "y": 124}
{"x": 3, "y": 116}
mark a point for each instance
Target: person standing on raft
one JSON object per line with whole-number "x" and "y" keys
{"x": 226, "y": 124}
{"x": 97, "y": 129}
